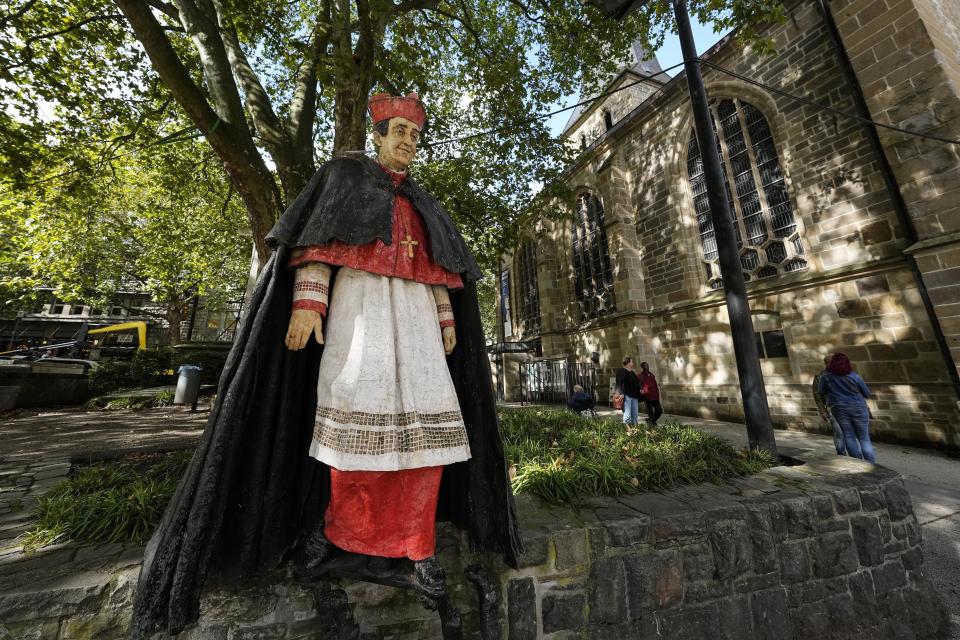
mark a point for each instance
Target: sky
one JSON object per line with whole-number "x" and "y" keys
{"x": 668, "y": 55}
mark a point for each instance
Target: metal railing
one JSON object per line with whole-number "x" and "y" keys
{"x": 551, "y": 381}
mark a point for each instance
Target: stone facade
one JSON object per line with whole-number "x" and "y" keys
{"x": 830, "y": 549}
{"x": 857, "y": 293}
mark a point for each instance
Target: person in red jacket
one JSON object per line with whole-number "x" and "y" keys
{"x": 651, "y": 391}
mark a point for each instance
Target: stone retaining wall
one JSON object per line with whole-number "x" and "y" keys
{"x": 830, "y": 549}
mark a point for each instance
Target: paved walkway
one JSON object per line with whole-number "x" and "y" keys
{"x": 38, "y": 447}
{"x": 36, "y": 450}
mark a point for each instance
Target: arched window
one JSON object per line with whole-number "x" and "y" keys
{"x": 528, "y": 295}
{"x": 583, "y": 142}
{"x": 591, "y": 259}
{"x": 607, "y": 119}
{"x": 764, "y": 221}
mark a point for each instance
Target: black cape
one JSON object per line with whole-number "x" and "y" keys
{"x": 251, "y": 491}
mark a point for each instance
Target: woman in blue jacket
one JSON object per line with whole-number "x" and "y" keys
{"x": 846, "y": 394}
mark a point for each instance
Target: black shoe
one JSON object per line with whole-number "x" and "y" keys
{"x": 430, "y": 577}
{"x": 317, "y": 548}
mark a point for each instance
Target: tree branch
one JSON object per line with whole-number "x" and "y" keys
{"x": 200, "y": 21}
{"x": 19, "y": 13}
{"x": 72, "y": 27}
{"x": 165, "y": 8}
{"x": 258, "y": 105}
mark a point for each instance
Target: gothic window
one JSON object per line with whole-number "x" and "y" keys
{"x": 591, "y": 259}
{"x": 763, "y": 218}
{"x": 583, "y": 142}
{"x": 528, "y": 296}
{"x": 607, "y": 119}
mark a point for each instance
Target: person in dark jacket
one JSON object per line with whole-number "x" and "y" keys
{"x": 580, "y": 400}
{"x": 846, "y": 395}
{"x": 651, "y": 392}
{"x": 628, "y": 385}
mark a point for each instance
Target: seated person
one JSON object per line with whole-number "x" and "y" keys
{"x": 580, "y": 400}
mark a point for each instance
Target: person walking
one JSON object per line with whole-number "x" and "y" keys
{"x": 825, "y": 413}
{"x": 650, "y": 390}
{"x": 628, "y": 385}
{"x": 846, "y": 394}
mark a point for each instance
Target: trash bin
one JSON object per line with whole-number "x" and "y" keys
{"x": 188, "y": 385}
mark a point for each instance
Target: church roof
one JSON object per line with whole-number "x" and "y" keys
{"x": 645, "y": 67}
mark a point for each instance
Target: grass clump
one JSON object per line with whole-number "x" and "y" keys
{"x": 560, "y": 455}
{"x": 161, "y": 399}
{"x": 117, "y": 501}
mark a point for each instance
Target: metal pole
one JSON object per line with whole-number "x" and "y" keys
{"x": 755, "y": 409}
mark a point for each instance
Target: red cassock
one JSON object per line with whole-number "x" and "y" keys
{"x": 383, "y": 513}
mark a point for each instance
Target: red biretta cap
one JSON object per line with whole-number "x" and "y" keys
{"x": 383, "y": 106}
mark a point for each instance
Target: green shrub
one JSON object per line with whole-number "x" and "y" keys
{"x": 560, "y": 455}
{"x": 148, "y": 365}
{"x": 119, "y": 501}
{"x": 110, "y": 376}
{"x": 210, "y": 356}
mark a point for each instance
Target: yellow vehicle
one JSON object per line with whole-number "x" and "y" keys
{"x": 117, "y": 340}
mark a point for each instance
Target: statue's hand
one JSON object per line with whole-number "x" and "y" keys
{"x": 449, "y": 339}
{"x": 303, "y": 322}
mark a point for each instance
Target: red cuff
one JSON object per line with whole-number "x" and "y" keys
{"x": 311, "y": 305}
{"x": 447, "y": 323}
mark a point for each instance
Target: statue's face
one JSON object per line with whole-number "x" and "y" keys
{"x": 398, "y": 147}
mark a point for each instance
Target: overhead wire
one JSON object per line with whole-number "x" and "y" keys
{"x": 818, "y": 105}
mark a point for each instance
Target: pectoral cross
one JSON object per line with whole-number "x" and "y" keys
{"x": 410, "y": 244}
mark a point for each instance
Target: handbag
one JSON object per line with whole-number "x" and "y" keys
{"x": 618, "y": 401}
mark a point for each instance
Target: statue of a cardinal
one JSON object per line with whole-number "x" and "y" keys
{"x": 356, "y": 407}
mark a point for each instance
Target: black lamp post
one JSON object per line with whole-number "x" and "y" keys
{"x": 755, "y": 409}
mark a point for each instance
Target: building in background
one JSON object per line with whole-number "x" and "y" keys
{"x": 633, "y": 270}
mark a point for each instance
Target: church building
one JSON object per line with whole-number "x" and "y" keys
{"x": 842, "y": 250}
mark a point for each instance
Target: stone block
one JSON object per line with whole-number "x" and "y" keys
{"x": 276, "y": 631}
{"x": 841, "y": 612}
{"x": 798, "y": 513}
{"x": 823, "y": 506}
{"x": 888, "y": 577}
{"x": 572, "y": 549}
{"x": 853, "y": 308}
{"x": 562, "y": 612}
{"x": 898, "y": 501}
{"x": 794, "y": 562}
{"x": 763, "y": 549}
{"x": 868, "y": 538}
{"x": 625, "y": 530}
{"x": 731, "y": 548}
{"x": 771, "y": 620}
{"x": 697, "y": 561}
{"x": 536, "y": 550}
{"x": 702, "y": 590}
{"x": 815, "y": 590}
{"x": 912, "y": 559}
{"x": 608, "y": 592}
{"x": 690, "y": 623}
{"x": 816, "y": 621}
{"x": 522, "y": 609}
{"x": 654, "y": 581}
{"x": 735, "y": 619}
{"x": 834, "y": 554}
{"x": 864, "y": 596}
{"x": 872, "y": 285}
{"x": 872, "y": 499}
